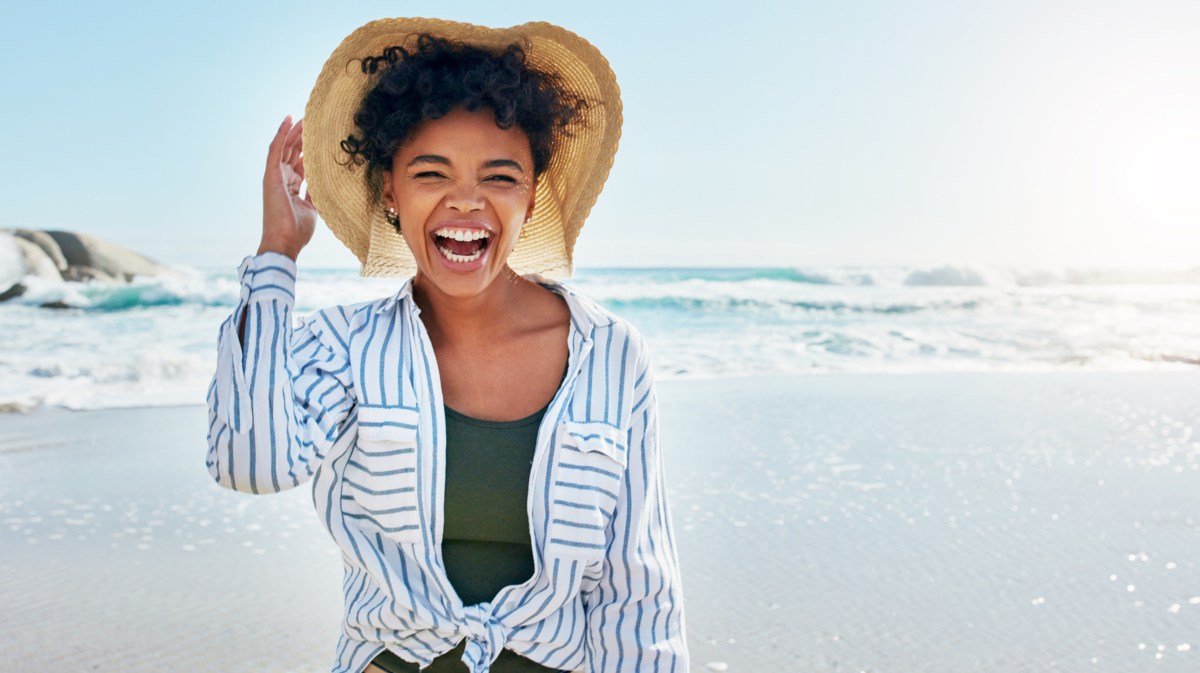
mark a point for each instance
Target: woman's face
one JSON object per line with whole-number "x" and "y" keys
{"x": 462, "y": 188}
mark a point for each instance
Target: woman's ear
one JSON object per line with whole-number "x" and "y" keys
{"x": 386, "y": 190}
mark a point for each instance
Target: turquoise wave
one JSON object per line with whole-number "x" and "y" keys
{"x": 725, "y": 304}
{"x": 885, "y": 291}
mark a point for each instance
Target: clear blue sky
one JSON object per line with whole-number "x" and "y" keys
{"x": 774, "y": 134}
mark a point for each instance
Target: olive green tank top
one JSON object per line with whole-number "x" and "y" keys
{"x": 486, "y": 544}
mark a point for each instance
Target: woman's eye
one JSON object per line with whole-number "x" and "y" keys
{"x": 501, "y": 178}
{"x": 427, "y": 174}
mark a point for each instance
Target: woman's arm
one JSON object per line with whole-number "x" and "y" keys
{"x": 635, "y": 613}
{"x": 281, "y": 392}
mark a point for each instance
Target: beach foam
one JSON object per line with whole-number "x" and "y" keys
{"x": 153, "y": 341}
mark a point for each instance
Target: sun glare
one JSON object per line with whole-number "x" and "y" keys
{"x": 1127, "y": 147}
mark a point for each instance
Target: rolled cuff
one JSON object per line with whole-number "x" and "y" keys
{"x": 270, "y": 275}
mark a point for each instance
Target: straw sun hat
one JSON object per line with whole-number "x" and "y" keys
{"x": 566, "y": 190}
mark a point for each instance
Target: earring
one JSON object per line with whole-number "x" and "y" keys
{"x": 391, "y": 217}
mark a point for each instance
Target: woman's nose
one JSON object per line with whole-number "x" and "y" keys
{"x": 464, "y": 197}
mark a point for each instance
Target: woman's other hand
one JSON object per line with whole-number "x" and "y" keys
{"x": 288, "y": 219}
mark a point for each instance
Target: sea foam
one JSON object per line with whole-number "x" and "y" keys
{"x": 153, "y": 341}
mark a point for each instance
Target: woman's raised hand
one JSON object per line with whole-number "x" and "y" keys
{"x": 288, "y": 219}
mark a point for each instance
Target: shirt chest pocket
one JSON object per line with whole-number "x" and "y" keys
{"x": 589, "y": 468}
{"x": 381, "y": 475}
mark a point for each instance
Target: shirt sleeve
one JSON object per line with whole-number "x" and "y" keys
{"x": 635, "y": 614}
{"x": 279, "y": 397}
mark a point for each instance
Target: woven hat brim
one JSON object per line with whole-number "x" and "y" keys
{"x": 566, "y": 191}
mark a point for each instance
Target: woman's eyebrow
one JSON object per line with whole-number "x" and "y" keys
{"x": 503, "y": 163}
{"x": 429, "y": 159}
{"x": 439, "y": 159}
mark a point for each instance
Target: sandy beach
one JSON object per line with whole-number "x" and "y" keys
{"x": 864, "y": 522}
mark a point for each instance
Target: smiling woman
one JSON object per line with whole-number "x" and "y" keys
{"x": 483, "y": 444}
{"x": 461, "y": 198}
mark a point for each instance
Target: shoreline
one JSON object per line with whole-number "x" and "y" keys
{"x": 7, "y": 409}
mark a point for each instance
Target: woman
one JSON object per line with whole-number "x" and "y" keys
{"x": 482, "y": 445}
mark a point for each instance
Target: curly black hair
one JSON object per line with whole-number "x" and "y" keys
{"x": 441, "y": 75}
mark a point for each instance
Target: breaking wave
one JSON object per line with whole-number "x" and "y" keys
{"x": 153, "y": 341}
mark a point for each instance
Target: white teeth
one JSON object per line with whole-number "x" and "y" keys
{"x": 459, "y": 258}
{"x": 462, "y": 234}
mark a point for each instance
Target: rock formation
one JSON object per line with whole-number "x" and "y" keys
{"x": 58, "y": 256}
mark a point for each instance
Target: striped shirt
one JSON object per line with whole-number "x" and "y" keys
{"x": 350, "y": 398}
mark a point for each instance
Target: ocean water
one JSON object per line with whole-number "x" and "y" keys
{"x": 153, "y": 342}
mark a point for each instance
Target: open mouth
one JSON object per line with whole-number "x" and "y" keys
{"x": 461, "y": 245}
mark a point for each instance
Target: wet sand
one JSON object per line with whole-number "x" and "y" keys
{"x": 920, "y": 522}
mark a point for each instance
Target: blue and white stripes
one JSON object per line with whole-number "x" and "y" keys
{"x": 350, "y": 398}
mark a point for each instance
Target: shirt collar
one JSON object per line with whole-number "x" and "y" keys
{"x": 585, "y": 314}
{"x": 404, "y": 293}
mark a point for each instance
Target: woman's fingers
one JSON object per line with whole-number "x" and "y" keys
{"x": 275, "y": 151}
{"x": 285, "y": 158}
{"x": 293, "y": 143}
{"x": 287, "y": 143}
{"x": 298, "y": 163}
{"x": 288, "y": 217}
{"x": 299, "y": 129}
